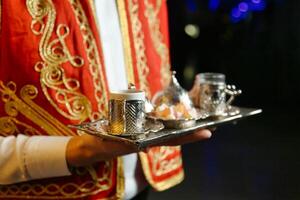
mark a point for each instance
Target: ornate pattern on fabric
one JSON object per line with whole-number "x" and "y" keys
{"x": 68, "y": 190}
{"x": 54, "y": 53}
{"x": 163, "y": 167}
{"x": 60, "y": 88}
{"x": 160, "y": 163}
{"x": 23, "y": 104}
{"x": 68, "y": 100}
{"x": 126, "y": 40}
{"x": 95, "y": 64}
{"x": 94, "y": 182}
{"x": 24, "y": 108}
{"x": 139, "y": 46}
{"x": 151, "y": 13}
{"x": 11, "y": 125}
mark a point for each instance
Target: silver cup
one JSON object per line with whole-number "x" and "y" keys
{"x": 127, "y": 112}
{"x": 213, "y": 94}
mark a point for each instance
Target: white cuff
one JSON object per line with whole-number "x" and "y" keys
{"x": 45, "y": 156}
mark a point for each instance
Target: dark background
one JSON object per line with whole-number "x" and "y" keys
{"x": 258, "y": 49}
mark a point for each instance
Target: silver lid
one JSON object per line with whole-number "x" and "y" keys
{"x": 173, "y": 94}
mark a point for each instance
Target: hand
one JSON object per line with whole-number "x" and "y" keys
{"x": 198, "y": 135}
{"x": 86, "y": 149}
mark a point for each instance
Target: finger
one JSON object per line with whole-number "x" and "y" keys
{"x": 121, "y": 148}
{"x": 107, "y": 149}
{"x": 197, "y": 136}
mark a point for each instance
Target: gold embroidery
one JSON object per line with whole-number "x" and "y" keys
{"x": 13, "y": 104}
{"x": 139, "y": 46}
{"x": 55, "y": 191}
{"x": 71, "y": 103}
{"x": 53, "y": 53}
{"x": 126, "y": 40}
{"x": 120, "y": 179}
{"x": 161, "y": 165}
{"x": 78, "y": 106}
{"x": 9, "y": 126}
{"x": 93, "y": 56}
{"x": 151, "y": 14}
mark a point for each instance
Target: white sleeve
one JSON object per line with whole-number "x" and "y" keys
{"x": 24, "y": 158}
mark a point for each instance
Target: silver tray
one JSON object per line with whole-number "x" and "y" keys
{"x": 156, "y": 136}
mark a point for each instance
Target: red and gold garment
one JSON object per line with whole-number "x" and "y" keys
{"x": 52, "y": 74}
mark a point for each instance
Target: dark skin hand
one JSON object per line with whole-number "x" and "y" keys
{"x": 86, "y": 149}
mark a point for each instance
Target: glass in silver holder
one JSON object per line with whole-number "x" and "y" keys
{"x": 212, "y": 96}
{"x": 127, "y": 112}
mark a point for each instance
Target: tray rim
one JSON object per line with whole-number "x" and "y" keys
{"x": 166, "y": 134}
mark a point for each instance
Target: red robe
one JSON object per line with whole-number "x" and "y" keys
{"x": 52, "y": 74}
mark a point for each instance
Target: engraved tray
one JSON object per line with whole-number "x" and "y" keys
{"x": 150, "y": 138}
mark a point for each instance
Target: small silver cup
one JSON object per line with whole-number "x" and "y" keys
{"x": 127, "y": 112}
{"x": 213, "y": 91}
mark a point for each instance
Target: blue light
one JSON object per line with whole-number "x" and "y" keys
{"x": 243, "y": 7}
{"x": 256, "y": 1}
{"x": 191, "y": 5}
{"x": 257, "y": 5}
{"x": 235, "y": 13}
{"x": 214, "y": 4}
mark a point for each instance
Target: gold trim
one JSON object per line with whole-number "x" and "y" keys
{"x": 95, "y": 64}
{"x": 163, "y": 185}
{"x": 94, "y": 12}
{"x": 139, "y": 46}
{"x": 69, "y": 102}
{"x": 55, "y": 191}
{"x": 120, "y": 179}
{"x": 25, "y": 105}
{"x": 126, "y": 40}
{"x": 53, "y": 53}
{"x": 151, "y": 14}
{"x": 10, "y": 126}
{"x": 93, "y": 8}
{"x": 160, "y": 158}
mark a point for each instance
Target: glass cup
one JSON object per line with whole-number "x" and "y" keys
{"x": 213, "y": 93}
{"x": 127, "y": 112}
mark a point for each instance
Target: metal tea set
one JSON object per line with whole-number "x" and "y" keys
{"x": 130, "y": 111}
